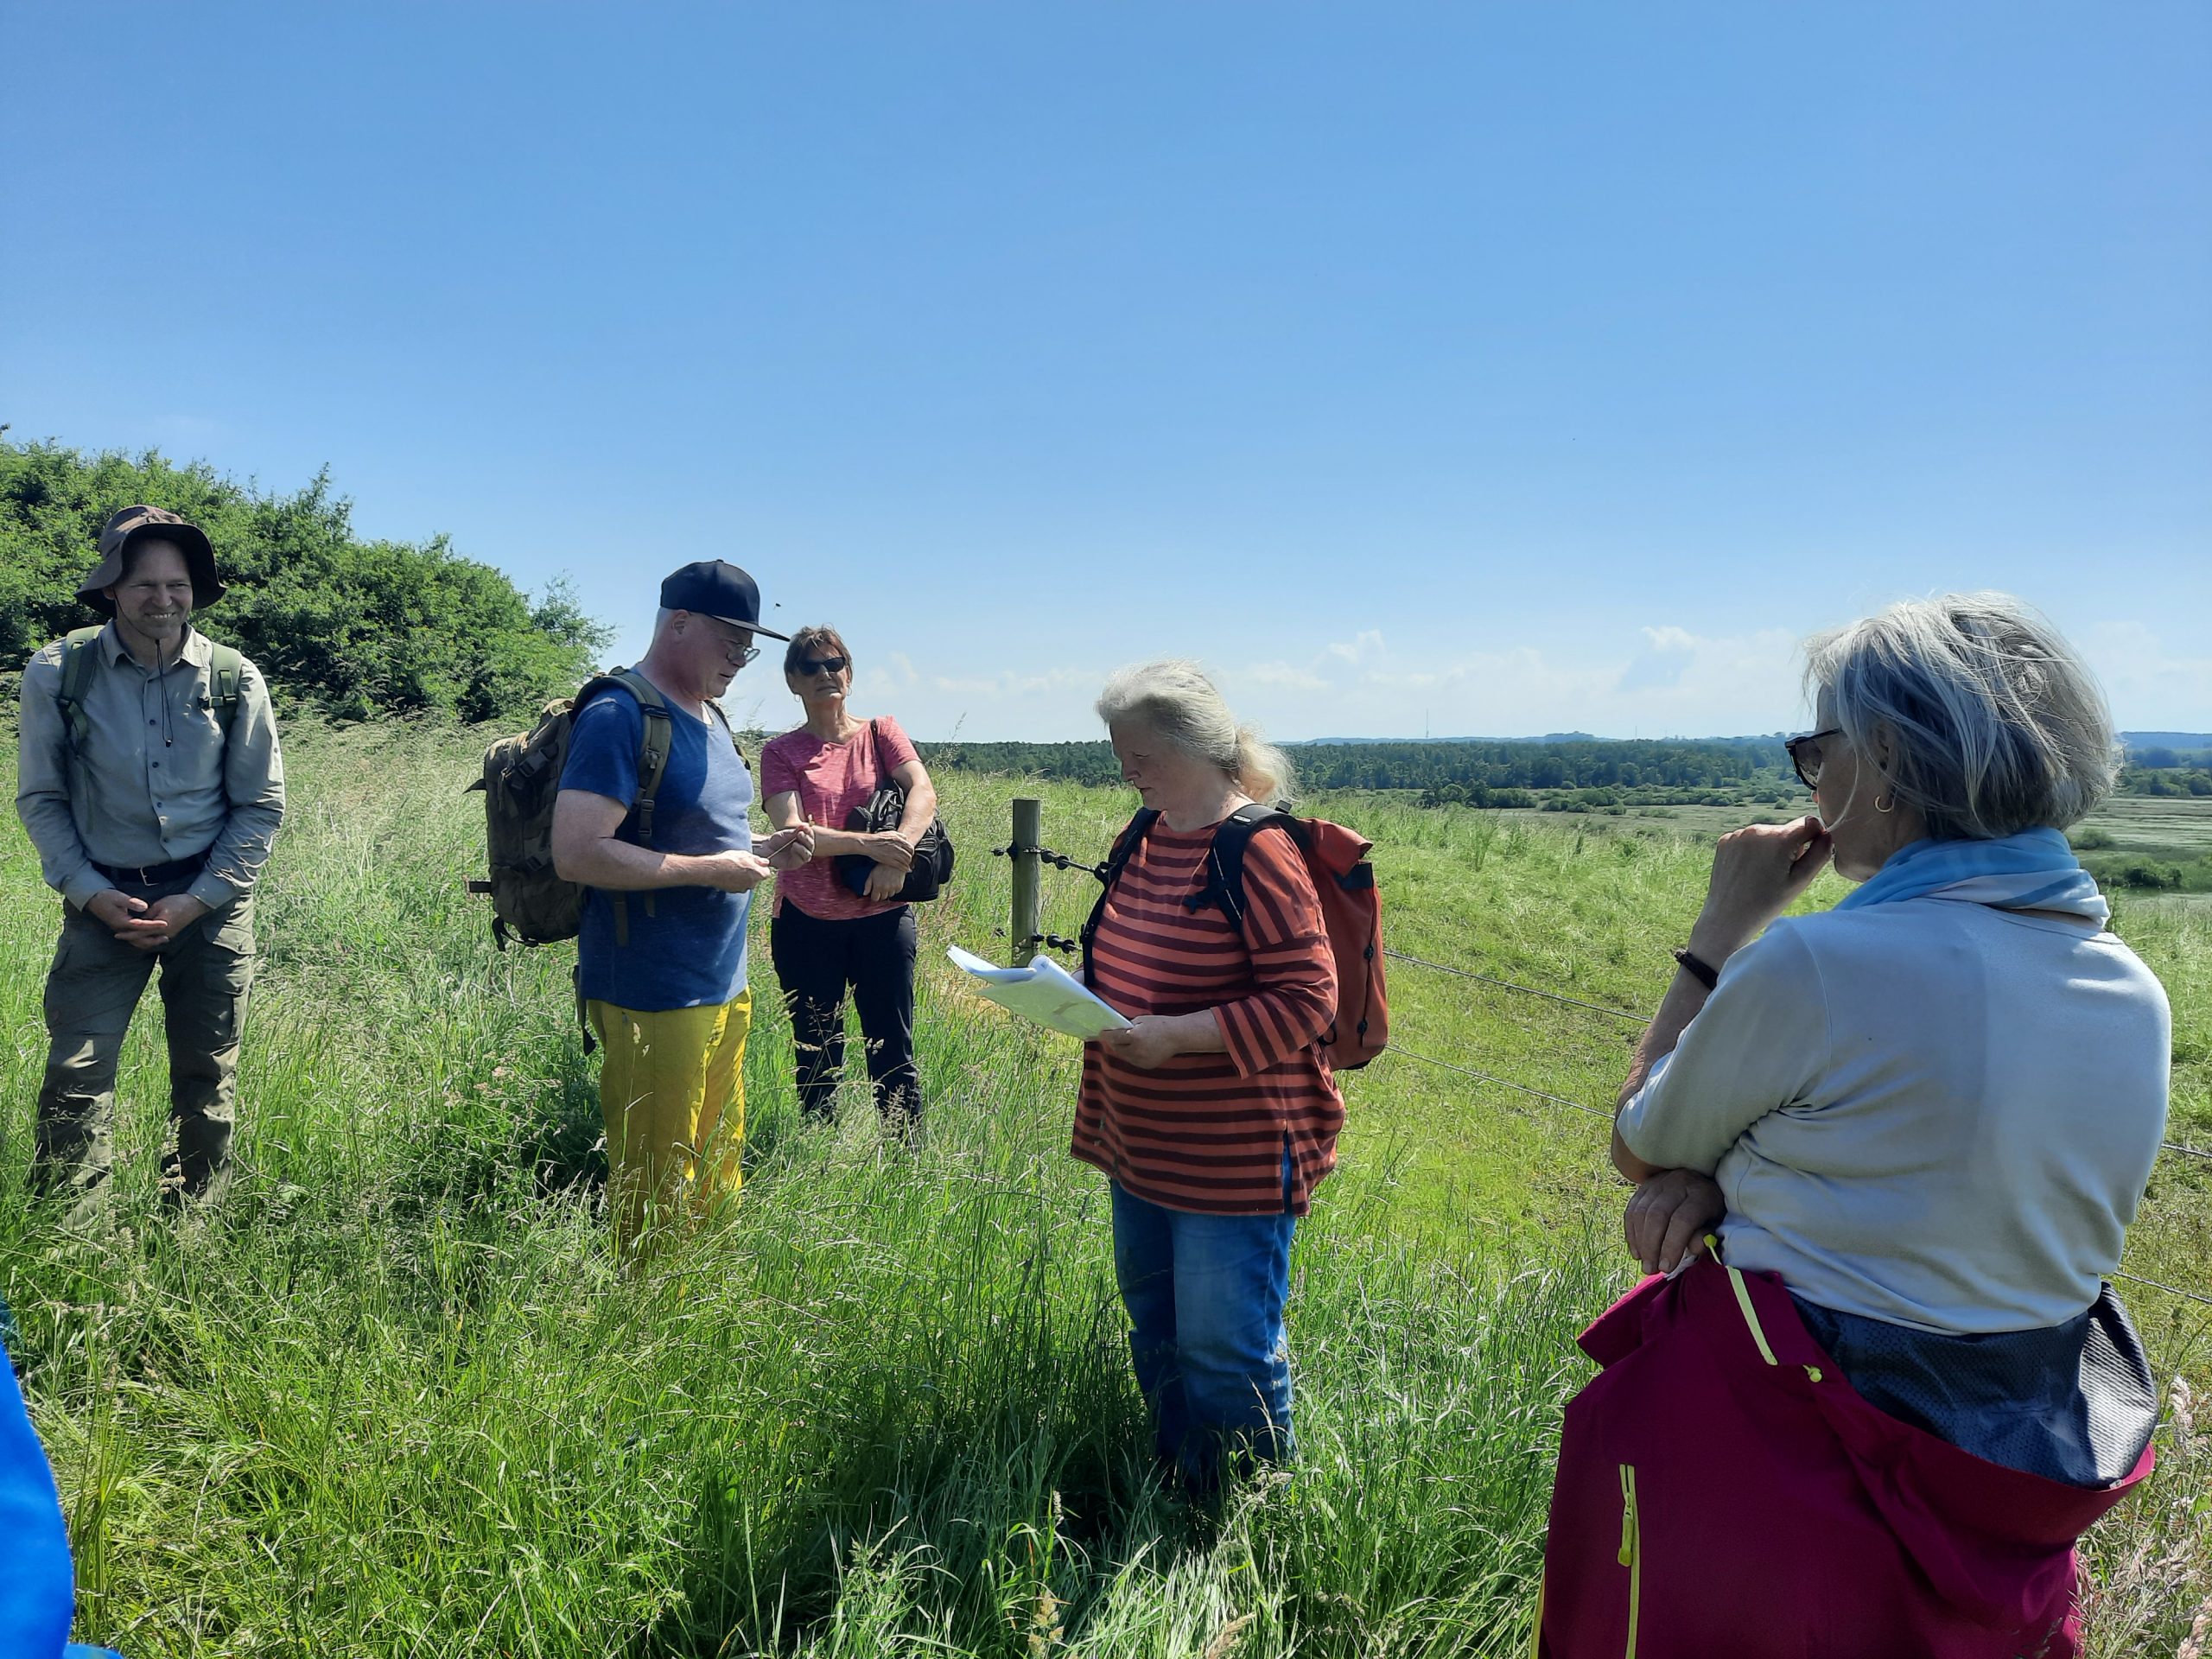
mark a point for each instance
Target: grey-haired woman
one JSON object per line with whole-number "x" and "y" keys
{"x": 1915, "y": 1130}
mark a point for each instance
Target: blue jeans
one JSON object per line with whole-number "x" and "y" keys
{"x": 1205, "y": 1297}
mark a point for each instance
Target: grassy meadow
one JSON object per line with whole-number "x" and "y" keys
{"x": 391, "y": 1400}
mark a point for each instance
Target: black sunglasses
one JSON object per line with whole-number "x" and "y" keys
{"x": 1805, "y": 754}
{"x": 823, "y": 665}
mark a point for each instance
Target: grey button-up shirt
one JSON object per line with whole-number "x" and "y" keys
{"x": 153, "y": 781}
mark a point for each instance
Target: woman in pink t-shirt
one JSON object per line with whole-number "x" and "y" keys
{"x": 823, "y": 935}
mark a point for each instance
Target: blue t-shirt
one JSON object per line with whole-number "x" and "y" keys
{"x": 687, "y": 945}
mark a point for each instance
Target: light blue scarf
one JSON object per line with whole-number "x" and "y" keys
{"x": 2033, "y": 870}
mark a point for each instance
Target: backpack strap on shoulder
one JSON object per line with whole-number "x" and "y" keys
{"x": 654, "y": 742}
{"x": 225, "y": 683}
{"x": 653, "y": 746}
{"x": 81, "y": 661}
{"x": 1125, "y": 848}
{"x": 1126, "y": 843}
{"x": 1224, "y": 882}
{"x": 715, "y": 709}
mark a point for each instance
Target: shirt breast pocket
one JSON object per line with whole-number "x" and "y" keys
{"x": 199, "y": 716}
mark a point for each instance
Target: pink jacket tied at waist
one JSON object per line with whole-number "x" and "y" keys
{"x": 1723, "y": 1493}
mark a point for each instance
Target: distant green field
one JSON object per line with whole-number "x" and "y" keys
{"x": 392, "y": 1402}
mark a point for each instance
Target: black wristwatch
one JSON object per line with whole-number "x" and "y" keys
{"x": 1697, "y": 967}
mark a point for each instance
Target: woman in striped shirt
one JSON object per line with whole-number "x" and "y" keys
{"x": 1214, "y": 1114}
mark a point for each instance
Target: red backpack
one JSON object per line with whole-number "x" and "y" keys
{"x": 1351, "y": 910}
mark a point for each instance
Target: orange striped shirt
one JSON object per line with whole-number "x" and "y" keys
{"x": 1209, "y": 1132}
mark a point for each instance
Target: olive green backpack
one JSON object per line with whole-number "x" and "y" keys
{"x": 522, "y": 775}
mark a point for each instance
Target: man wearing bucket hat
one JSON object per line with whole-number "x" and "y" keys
{"x": 149, "y": 778}
{"x": 660, "y": 962}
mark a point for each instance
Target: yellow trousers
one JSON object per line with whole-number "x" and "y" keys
{"x": 671, "y": 1087}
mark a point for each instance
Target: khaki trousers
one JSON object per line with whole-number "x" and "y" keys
{"x": 92, "y": 991}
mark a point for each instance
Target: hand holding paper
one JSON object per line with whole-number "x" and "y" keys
{"x": 1043, "y": 992}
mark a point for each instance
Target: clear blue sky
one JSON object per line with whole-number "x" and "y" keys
{"x": 1499, "y": 368}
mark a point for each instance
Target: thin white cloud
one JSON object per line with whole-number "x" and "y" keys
{"x": 1274, "y": 675}
{"x": 2151, "y": 688}
{"x": 1366, "y": 646}
{"x": 1654, "y": 680}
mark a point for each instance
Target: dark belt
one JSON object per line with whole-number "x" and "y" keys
{"x": 152, "y": 875}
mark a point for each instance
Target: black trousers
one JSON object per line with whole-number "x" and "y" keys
{"x": 815, "y": 962}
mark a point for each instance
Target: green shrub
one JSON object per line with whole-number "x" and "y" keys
{"x": 2148, "y": 877}
{"x": 348, "y": 627}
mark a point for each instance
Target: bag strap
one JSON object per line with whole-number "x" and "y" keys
{"x": 1224, "y": 882}
{"x": 80, "y": 660}
{"x": 225, "y": 684}
{"x": 722, "y": 720}
{"x": 654, "y": 742}
{"x": 1125, "y": 849}
{"x": 583, "y": 1014}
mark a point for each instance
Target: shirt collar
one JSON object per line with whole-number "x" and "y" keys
{"x": 198, "y": 649}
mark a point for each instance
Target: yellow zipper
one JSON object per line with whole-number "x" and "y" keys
{"x": 1631, "y": 1557}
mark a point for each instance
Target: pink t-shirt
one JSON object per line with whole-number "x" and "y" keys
{"x": 830, "y": 780}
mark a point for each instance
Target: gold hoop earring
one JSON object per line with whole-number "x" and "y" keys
{"x": 1892, "y": 807}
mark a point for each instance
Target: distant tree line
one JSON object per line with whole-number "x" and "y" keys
{"x": 2173, "y": 779}
{"x": 349, "y": 627}
{"x": 1060, "y": 763}
{"x": 1484, "y": 775}
{"x": 2160, "y": 757}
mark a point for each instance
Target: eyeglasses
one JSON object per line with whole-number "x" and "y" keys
{"x": 809, "y": 665}
{"x": 738, "y": 650}
{"x": 1805, "y": 754}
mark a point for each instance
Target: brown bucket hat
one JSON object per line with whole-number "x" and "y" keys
{"x": 125, "y": 527}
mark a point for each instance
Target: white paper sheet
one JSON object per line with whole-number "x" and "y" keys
{"x": 1044, "y": 992}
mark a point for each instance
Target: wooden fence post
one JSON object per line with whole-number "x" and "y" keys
{"x": 1028, "y": 833}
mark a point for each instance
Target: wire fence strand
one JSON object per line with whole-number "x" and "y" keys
{"x": 2171, "y": 1290}
{"x": 1591, "y": 1111}
{"x": 1502, "y": 1082}
{"x": 2174, "y": 1147}
{"x": 1515, "y": 985}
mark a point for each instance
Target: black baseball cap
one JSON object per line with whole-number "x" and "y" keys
{"x": 714, "y": 588}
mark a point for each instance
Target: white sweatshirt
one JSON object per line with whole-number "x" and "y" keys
{"x": 1931, "y": 1112}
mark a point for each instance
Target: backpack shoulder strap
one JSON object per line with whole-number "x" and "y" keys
{"x": 653, "y": 745}
{"x": 226, "y": 681}
{"x": 1125, "y": 848}
{"x": 720, "y": 718}
{"x": 1126, "y": 843}
{"x": 80, "y": 660}
{"x": 1224, "y": 883}
{"x": 654, "y": 741}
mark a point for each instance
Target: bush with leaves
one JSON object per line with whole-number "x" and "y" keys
{"x": 348, "y": 628}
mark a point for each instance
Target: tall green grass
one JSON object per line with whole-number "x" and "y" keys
{"x": 392, "y": 1400}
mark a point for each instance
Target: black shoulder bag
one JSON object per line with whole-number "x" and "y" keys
{"x": 932, "y": 865}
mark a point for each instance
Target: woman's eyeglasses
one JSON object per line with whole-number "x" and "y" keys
{"x": 809, "y": 665}
{"x": 1805, "y": 755}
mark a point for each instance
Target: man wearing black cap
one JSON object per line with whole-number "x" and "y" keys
{"x": 150, "y": 781}
{"x": 661, "y": 958}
